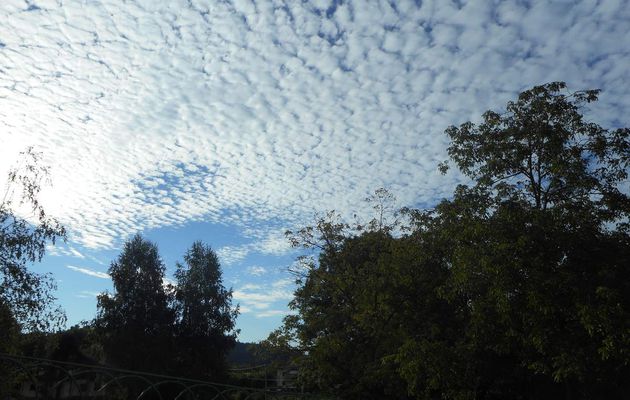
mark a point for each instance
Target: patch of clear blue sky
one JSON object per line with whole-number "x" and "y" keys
{"x": 76, "y": 290}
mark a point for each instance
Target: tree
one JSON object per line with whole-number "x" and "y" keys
{"x": 25, "y": 296}
{"x": 516, "y": 287}
{"x": 347, "y": 325}
{"x": 205, "y": 317}
{"x": 135, "y": 322}
{"x": 9, "y": 331}
{"x": 537, "y": 251}
{"x": 543, "y": 152}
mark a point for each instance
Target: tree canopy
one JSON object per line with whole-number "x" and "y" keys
{"x": 137, "y": 311}
{"x": 205, "y": 317}
{"x": 185, "y": 328}
{"x": 516, "y": 287}
{"x": 542, "y": 150}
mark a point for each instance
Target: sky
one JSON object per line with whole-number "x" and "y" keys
{"x": 232, "y": 121}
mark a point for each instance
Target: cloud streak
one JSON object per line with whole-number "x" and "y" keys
{"x": 86, "y": 294}
{"x": 90, "y": 272}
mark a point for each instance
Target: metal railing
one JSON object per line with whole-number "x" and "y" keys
{"x": 24, "y": 377}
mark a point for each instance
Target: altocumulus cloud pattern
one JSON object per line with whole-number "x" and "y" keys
{"x": 156, "y": 113}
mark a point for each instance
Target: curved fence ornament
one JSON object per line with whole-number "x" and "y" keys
{"x": 38, "y": 378}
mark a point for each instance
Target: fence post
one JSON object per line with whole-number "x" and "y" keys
{"x": 265, "y": 383}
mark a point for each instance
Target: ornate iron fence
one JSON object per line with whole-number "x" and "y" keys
{"x": 37, "y": 378}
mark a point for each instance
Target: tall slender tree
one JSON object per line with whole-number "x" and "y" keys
{"x": 205, "y": 316}
{"x": 135, "y": 322}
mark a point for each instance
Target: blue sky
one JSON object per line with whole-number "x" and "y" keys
{"x": 232, "y": 121}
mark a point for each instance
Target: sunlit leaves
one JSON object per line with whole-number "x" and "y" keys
{"x": 23, "y": 240}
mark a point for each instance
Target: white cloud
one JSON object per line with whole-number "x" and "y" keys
{"x": 62, "y": 249}
{"x": 89, "y": 272}
{"x": 258, "y": 299}
{"x": 265, "y": 297}
{"x": 268, "y": 241}
{"x": 161, "y": 113}
{"x": 283, "y": 283}
{"x": 86, "y": 294}
{"x": 232, "y": 254}
{"x": 244, "y": 309}
{"x": 273, "y": 313}
{"x": 251, "y": 286}
{"x": 256, "y": 270}
{"x": 166, "y": 282}
{"x": 273, "y": 242}
{"x": 76, "y": 253}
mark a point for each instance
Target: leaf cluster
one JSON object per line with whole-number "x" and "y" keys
{"x": 23, "y": 238}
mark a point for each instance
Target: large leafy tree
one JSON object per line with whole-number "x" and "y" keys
{"x": 538, "y": 251}
{"x": 346, "y": 317}
{"x": 543, "y": 151}
{"x": 26, "y": 298}
{"x": 348, "y": 322}
{"x": 135, "y": 322}
{"x": 205, "y": 325}
{"x": 516, "y": 287}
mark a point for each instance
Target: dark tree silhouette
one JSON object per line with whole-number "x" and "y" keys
{"x": 205, "y": 317}
{"x": 516, "y": 287}
{"x": 135, "y": 322}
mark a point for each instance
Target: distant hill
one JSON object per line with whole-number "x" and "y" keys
{"x": 242, "y": 355}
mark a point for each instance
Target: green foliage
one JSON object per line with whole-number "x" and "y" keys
{"x": 348, "y": 324}
{"x": 10, "y": 329}
{"x": 28, "y": 296}
{"x": 517, "y": 287}
{"x": 526, "y": 288}
{"x": 9, "y": 334}
{"x": 279, "y": 349}
{"x": 541, "y": 150}
{"x": 138, "y": 311}
{"x": 185, "y": 330}
{"x": 243, "y": 355}
{"x": 205, "y": 318}
{"x": 533, "y": 249}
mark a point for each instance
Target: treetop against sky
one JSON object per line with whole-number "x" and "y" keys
{"x": 231, "y": 122}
